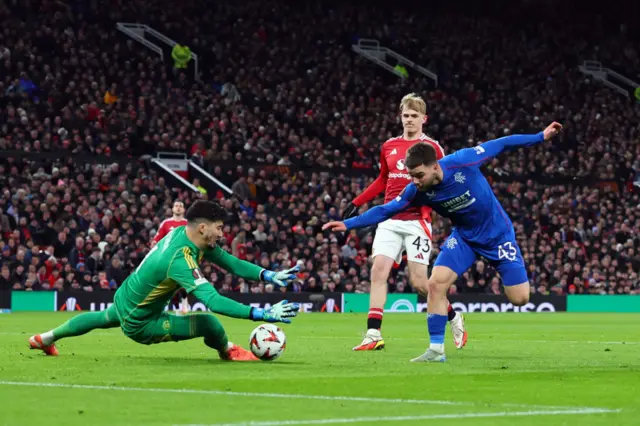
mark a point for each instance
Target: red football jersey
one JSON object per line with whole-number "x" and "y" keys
{"x": 167, "y": 226}
{"x": 394, "y": 176}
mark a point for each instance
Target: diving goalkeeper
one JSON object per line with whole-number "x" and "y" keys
{"x": 139, "y": 304}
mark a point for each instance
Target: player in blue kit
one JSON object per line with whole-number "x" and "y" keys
{"x": 456, "y": 188}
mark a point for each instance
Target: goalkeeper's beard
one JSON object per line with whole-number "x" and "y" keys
{"x": 210, "y": 239}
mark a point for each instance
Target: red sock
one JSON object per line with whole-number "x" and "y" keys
{"x": 374, "y": 319}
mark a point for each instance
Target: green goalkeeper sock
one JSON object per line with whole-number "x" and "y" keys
{"x": 82, "y": 324}
{"x": 214, "y": 335}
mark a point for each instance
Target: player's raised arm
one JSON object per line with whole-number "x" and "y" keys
{"x": 232, "y": 264}
{"x": 377, "y": 214}
{"x": 185, "y": 271}
{"x": 372, "y": 191}
{"x": 248, "y": 270}
{"x": 490, "y": 149}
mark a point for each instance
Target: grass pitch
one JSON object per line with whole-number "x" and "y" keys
{"x": 533, "y": 369}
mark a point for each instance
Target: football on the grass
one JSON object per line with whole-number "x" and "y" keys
{"x": 267, "y": 342}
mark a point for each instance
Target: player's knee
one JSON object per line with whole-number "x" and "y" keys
{"x": 420, "y": 283}
{"x": 436, "y": 287}
{"x": 519, "y": 299}
{"x": 378, "y": 282}
{"x": 518, "y": 295}
{"x": 380, "y": 271}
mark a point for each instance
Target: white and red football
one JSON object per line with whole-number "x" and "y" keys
{"x": 267, "y": 342}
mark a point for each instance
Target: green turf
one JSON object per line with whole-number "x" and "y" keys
{"x": 514, "y": 363}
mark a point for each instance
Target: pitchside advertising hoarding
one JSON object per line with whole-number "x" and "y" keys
{"x": 332, "y": 302}
{"x": 411, "y": 302}
{"x": 494, "y": 303}
{"x": 309, "y": 302}
{"x": 357, "y": 302}
{"x": 5, "y": 300}
{"x": 603, "y": 303}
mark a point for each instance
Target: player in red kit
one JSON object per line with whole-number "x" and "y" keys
{"x": 167, "y": 226}
{"x": 408, "y": 231}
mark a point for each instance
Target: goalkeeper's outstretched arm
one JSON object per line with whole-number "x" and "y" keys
{"x": 233, "y": 265}
{"x": 248, "y": 270}
{"x": 219, "y": 304}
{"x": 185, "y": 271}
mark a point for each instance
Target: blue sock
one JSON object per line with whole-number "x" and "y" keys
{"x": 436, "y": 325}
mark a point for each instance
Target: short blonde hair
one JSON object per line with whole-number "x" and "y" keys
{"x": 414, "y": 102}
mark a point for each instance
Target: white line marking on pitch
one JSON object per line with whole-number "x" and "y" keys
{"x": 291, "y": 396}
{"x": 411, "y": 418}
{"x": 490, "y": 341}
{"x": 417, "y": 339}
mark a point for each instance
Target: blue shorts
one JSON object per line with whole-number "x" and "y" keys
{"x": 506, "y": 257}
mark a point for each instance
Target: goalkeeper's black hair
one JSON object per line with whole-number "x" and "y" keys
{"x": 202, "y": 210}
{"x": 420, "y": 154}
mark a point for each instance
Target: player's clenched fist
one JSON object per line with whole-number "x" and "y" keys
{"x": 334, "y": 226}
{"x": 552, "y": 130}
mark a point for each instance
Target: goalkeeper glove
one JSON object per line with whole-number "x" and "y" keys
{"x": 350, "y": 211}
{"x": 280, "y": 312}
{"x": 279, "y": 278}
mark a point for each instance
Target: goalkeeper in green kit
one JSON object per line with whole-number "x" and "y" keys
{"x": 139, "y": 304}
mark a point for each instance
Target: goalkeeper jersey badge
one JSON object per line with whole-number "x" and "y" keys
{"x": 198, "y": 277}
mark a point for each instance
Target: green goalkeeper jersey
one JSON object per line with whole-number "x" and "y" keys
{"x": 173, "y": 263}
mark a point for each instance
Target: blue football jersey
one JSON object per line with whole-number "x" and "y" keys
{"x": 464, "y": 195}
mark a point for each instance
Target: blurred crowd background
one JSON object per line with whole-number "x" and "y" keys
{"x": 292, "y": 120}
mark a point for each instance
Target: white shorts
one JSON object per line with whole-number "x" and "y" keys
{"x": 393, "y": 237}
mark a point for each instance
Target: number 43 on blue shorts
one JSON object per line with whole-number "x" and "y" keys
{"x": 457, "y": 255}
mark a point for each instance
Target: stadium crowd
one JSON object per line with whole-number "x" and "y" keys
{"x": 297, "y": 137}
